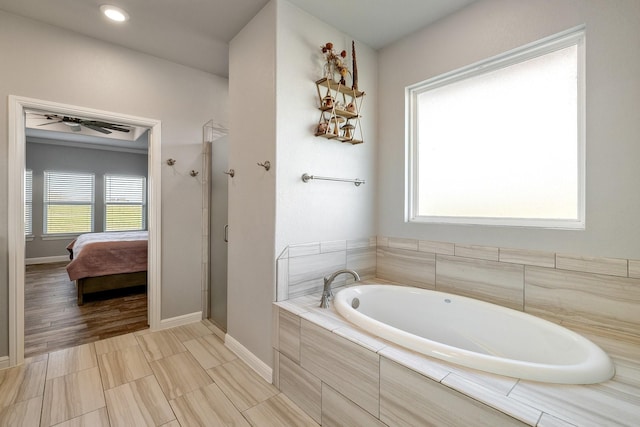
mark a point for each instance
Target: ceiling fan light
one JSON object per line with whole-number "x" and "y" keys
{"x": 114, "y": 13}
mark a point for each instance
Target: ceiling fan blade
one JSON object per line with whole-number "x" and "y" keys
{"x": 106, "y": 125}
{"x": 51, "y": 123}
{"x": 96, "y": 128}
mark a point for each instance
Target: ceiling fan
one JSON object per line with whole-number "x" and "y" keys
{"x": 76, "y": 123}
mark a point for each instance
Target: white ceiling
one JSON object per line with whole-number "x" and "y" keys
{"x": 196, "y": 33}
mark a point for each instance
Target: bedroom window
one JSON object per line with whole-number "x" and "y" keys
{"x": 124, "y": 202}
{"x": 28, "y": 202}
{"x": 68, "y": 202}
{"x": 501, "y": 142}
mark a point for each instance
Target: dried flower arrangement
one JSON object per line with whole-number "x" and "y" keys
{"x": 335, "y": 64}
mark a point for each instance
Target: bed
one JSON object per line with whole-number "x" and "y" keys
{"x": 108, "y": 261}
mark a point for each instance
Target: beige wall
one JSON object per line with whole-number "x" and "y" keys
{"x": 274, "y": 62}
{"x": 490, "y": 27}
{"x": 45, "y": 62}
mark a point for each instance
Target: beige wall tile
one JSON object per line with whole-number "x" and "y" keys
{"x": 241, "y": 384}
{"x": 382, "y": 241}
{"x": 360, "y": 337}
{"x": 338, "y": 411}
{"x": 634, "y": 268}
{"x": 207, "y": 406}
{"x": 600, "y": 405}
{"x": 306, "y": 272}
{"x": 409, "y": 399}
{"x": 345, "y": 366}
{"x": 547, "y": 420}
{"x": 363, "y": 261}
{"x": 609, "y": 266}
{"x": 303, "y": 388}
{"x": 431, "y": 368}
{"x": 333, "y": 246}
{"x": 304, "y": 249}
{"x": 400, "y": 243}
{"x": 511, "y": 407}
{"x": 209, "y": 351}
{"x": 442, "y": 248}
{"x": 584, "y": 298}
{"x": 122, "y": 366}
{"x": 282, "y": 280}
{"x": 366, "y": 242}
{"x": 71, "y": 395}
{"x": 406, "y": 267}
{"x": 289, "y": 335}
{"x": 523, "y": 256}
{"x": 179, "y": 374}
{"x": 495, "y": 282}
{"x": 138, "y": 403}
{"x": 278, "y": 411}
{"x": 22, "y": 414}
{"x": 488, "y": 253}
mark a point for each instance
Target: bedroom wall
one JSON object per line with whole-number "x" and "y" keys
{"x": 45, "y": 62}
{"x": 490, "y": 27}
{"x": 43, "y": 156}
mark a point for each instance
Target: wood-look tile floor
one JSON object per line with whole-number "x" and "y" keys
{"x": 183, "y": 376}
{"x": 53, "y": 320}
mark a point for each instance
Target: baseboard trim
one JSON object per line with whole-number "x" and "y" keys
{"x": 215, "y": 329}
{"x": 185, "y": 319}
{"x": 46, "y": 259}
{"x": 4, "y": 362}
{"x": 249, "y": 358}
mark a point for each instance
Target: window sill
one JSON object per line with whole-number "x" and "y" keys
{"x": 60, "y": 236}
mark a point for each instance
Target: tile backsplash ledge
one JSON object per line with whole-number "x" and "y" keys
{"x": 573, "y": 290}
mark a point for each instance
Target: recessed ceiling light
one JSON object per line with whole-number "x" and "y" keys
{"x": 114, "y": 13}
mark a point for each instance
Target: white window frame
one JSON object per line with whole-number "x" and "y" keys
{"x": 575, "y": 36}
{"x": 46, "y": 203}
{"x": 143, "y": 204}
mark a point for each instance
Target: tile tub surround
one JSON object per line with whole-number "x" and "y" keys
{"x": 301, "y": 267}
{"x": 568, "y": 289}
{"x": 347, "y": 373}
{"x": 580, "y": 291}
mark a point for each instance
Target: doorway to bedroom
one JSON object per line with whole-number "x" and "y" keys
{"x": 91, "y": 173}
{"x": 83, "y": 178}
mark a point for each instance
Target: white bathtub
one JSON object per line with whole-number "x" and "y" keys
{"x": 475, "y": 334}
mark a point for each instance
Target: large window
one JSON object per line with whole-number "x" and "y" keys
{"x": 501, "y": 142}
{"x": 68, "y": 202}
{"x": 124, "y": 202}
{"x": 28, "y": 202}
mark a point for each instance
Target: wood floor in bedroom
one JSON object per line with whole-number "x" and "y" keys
{"x": 53, "y": 320}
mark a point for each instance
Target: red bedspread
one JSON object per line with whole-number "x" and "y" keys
{"x": 105, "y": 258}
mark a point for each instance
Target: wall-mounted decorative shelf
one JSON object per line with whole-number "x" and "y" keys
{"x": 340, "y": 108}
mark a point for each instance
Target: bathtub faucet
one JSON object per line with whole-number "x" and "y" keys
{"x": 327, "y": 293}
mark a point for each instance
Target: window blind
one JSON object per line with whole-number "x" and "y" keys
{"x": 125, "y": 202}
{"x": 28, "y": 202}
{"x": 68, "y": 202}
